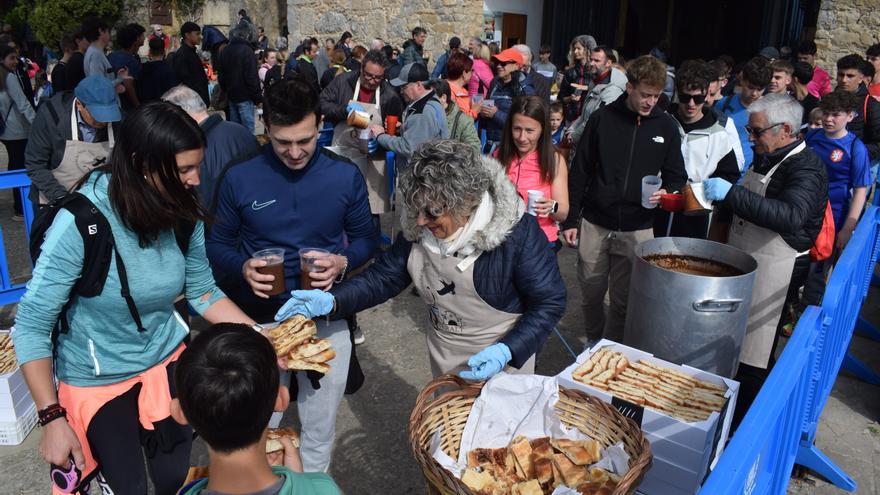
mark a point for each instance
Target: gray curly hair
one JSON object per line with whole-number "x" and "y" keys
{"x": 444, "y": 176}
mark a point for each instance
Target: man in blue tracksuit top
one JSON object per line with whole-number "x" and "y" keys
{"x": 294, "y": 196}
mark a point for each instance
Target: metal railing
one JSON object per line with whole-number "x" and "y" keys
{"x": 779, "y": 430}
{"x": 11, "y": 292}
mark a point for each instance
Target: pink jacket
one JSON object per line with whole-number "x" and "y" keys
{"x": 821, "y": 83}
{"x": 482, "y": 72}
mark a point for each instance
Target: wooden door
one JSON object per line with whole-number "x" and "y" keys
{"x": 513, "y": 30}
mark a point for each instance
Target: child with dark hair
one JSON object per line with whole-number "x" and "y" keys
{"x": 846, "y": 159}
{"x": 228, "y": 385}
{"x": 557, "y": 122}
{"x": 754, "y": 78}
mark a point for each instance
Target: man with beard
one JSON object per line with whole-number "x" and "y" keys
{"x": 607, "y": 83}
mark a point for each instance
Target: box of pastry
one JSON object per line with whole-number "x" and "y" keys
{"x": 15, "y": 397}
{"x": 684, "y": 412}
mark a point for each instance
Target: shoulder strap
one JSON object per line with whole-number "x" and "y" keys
{"x": 865, "y": 108}
{"x": 126, "y": 292}
{"x": 726, "y": 105}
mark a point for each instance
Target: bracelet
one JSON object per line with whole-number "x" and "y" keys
{"x": 341, "y": 276}
{"x": 51, "y": 413}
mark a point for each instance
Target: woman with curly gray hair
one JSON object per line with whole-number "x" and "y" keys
{"x": 482, "y": 267}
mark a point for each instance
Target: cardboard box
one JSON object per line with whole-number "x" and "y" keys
{"x": 684, "y": 453}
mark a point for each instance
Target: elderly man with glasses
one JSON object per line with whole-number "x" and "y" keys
{"x": 775, "y": 215}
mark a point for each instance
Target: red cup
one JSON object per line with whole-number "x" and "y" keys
{"x": 391, "y": 125}
{"x": 673, "y": 202}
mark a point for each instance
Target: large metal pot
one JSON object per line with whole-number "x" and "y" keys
{"x": 690, "y": 319}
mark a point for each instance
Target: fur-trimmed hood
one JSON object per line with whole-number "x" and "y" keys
{"x": 509, "y": 208}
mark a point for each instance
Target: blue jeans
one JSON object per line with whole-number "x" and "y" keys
{"x": 243, "y": 113}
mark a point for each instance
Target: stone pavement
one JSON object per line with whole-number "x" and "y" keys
{"x": 372, "y": 449}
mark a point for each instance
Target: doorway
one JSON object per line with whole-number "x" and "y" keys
{"x": 513, "y": 30}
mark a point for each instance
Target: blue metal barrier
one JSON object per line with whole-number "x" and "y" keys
{"x": 11, "y": 293}
{"x": 762, "y": 453}
{"x": 780, "y": 428}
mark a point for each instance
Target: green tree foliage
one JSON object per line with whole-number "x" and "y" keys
{"x": 51, "y": 19}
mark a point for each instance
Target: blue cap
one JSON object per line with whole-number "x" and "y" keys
{"x": 98, "y": 94}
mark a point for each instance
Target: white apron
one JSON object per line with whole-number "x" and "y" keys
{"x": 79, "y": 157}
{"x": 345, "y": 143}
{"x": 775, "y": 264}
{"x": 462, "y": 323}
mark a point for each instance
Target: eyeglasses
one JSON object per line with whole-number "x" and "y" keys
{"x": 759, "y": 132}
{"x": 686, "y": 98}
{"x": 372, "y": 77}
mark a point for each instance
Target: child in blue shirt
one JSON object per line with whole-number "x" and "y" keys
{"x": 846, "y": 159}
{"x": 557, "y": 123}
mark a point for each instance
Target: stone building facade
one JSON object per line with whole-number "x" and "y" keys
{"x": 391, "y": 21}
{"x": 844, "y": 27}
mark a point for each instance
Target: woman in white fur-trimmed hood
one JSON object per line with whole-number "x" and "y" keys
{"x": 492, "y": 287}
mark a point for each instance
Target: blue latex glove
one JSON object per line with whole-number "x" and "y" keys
{"x": 354, "y": 106}
{"x": 372, "y": 145}
{"x": 716, "y": 189}
{"x": 309, "y": 303}
{"x": 486, "y": 363}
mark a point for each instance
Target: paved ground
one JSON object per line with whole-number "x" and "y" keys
{"x": 372, "y": 450}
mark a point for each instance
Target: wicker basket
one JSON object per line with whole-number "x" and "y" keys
{"x": 450, "y": 410}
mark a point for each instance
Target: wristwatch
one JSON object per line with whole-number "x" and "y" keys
{"x": 258, "y": 328}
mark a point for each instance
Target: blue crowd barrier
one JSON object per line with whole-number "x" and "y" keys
{"x": 10, "y": 293}
{"x": 779, "y": 430}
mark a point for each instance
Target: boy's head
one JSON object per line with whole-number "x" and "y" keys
{"x": 782, "y": 74}
{"x": 756, "y": 75}
{"x": 838, "y": 109}
{"x": 850, "y": 72}
{"x": 228, "y": 386}
{"x": 556, "y": 116}
{"x": 646, "y": 77}
{"x": 815, "y": 118}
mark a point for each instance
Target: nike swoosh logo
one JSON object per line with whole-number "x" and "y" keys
{"x": 259, "y": 206}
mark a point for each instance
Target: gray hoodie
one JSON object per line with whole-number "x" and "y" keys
{"x": 423, "y": 120}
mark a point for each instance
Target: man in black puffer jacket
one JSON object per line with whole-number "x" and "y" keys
{"x": 777, "y": 214}
{"x": 622, "y": 143}
{"x": 239, "y": 78}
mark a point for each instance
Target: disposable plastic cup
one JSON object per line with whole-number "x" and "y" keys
{"x": 650, "y": 185}
{"x": 533, "y": 197}
{"x": 274, "y": 258}
{"x": 307, "y": 259}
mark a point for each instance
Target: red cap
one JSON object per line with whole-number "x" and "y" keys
{"x": 509, "y": 55}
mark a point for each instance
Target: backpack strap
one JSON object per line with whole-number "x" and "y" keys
{"x": 865, "y": 108}
{"x": 126, "y": 292}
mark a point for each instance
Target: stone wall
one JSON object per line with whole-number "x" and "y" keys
{"x": 844, "y": 27}
{"x": 390, "y": 20}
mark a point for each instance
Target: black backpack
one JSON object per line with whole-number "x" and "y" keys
{"x": 98, "y": 246}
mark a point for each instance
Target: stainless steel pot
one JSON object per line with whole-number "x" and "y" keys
{"x": 690, "y": 319}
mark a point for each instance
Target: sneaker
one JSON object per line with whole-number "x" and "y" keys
{"x": 18, "y": 217}
{"x": 359, "y": 336}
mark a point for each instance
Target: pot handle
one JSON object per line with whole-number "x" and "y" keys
{"x": 717, "y": 305}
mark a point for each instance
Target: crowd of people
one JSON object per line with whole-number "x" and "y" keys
{"x": 502, "y": 161}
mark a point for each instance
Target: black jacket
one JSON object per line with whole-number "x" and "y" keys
{"x": 307, "y": 72}
{"x": 866, "y": 125}
{"x": 238, "y": 72}
{"x": 617, "y": 149}
{"x": 157, "y": 77}
{"x": 189, "y": 71}
{"x": 74, "y": 71}
{"x": 340, "y": 91}
{"x": 519, "y": 276}
{"x": 540, "y": 83}
{"x": 794, "y": 204}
